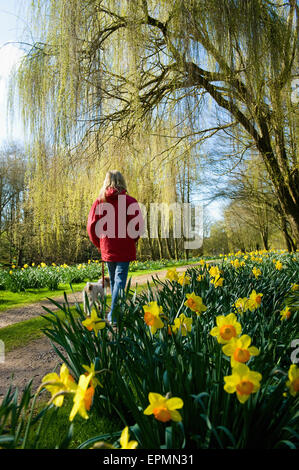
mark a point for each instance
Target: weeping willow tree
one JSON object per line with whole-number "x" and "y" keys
{"x": 100, "y": 67}
{"x": 59, "y": 195}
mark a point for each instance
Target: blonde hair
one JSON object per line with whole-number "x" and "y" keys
{"x": 113, "y": 179}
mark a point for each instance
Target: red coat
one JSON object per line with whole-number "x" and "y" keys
{"x": 109, "y": 227}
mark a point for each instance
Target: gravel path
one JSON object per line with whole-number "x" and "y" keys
{"x": 38, "y": 358}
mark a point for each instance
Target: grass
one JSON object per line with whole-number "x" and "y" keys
{"x": 10, "y": 300}
{"x": 57, "y": 421}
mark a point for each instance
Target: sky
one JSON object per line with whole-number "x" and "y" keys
{"x": 11, "y": 27}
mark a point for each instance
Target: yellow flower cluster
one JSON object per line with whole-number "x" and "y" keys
{"x": 63, "y": 384}
{"x": 215, "y": 274}
{"x": 173, "y": 275}
{"x": 243, "y": 381}
{"x": 251, "y": 303}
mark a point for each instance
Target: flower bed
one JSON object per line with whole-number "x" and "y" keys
{"x": 202, "y": 360}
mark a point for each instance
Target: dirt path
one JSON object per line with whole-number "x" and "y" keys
{"x": 38, "y": 358}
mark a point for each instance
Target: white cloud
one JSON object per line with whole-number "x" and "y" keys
{"x": 10, "y": 56}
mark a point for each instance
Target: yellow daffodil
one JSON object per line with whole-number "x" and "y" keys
{"x": 194, "y": 302}
{"x": 25, "y": 266}
{"x": 43, "y": 265}
{"x": 55, "y": 383}
{"x": 227, "y": 328}
{"x": 83, "y": 397}
{"x": 257, "y": 272}
{"x": 214, "y": 271}
{"x": 183, "y": 279}
{"x": 124, "y": 440}
{"x": 10, "y": 272}
{"x": 202, "y": 262}
{"x": 33, "y": 264}
{"x": 254, "y": 300}
{"x": 13, "y": 266}
{"x": 200, "y": 277}
{"x": 164, "y": 409}
{"x": 241, "y": 305}
{"x": 243, "y": 381}
{"x": 172, "y": 274}
{"x": 239, "y": 350}
{"x": 94, "y": 322}
{"x": 285, "y": 313}
{"x": 182, "y": 324}
{"x": 278, "y": 265}
{"x": 91, "y": 370}
{"x": 293, "y": 382}
{"x": 152, "y": 318}
{"x": 294, "y": 287}
{"x": 236, "y": 263}
{"x": 217, "y": 281}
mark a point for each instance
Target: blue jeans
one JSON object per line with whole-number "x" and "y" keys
{"x": 118, "y": 272}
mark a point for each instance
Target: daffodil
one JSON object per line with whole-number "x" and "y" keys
{"x": 83, "y": 397}
{"x": 241, "y": 305}
{"x": 182, "y": 324}
{"x": 217, "y": 281}
{"x": 200, "y": 277}
{"x": 152, "y": 312}
{"x": 214, "y": 271}
{"x": 294, "y": 287}
{"x": 91, "y": 370}
{"x": 195, "y": 303}
{"x": 254, "y": 300}
{"x": 164, "y": 409}
{"x": 43, "y": 265}
{"x": 239, "y": 350}
{"x": 124, "y": 440}
{"x": 278, "y": 265}
{"x": 94, "y": 322}
{"x": 202, "y": 262}
{"x": 172, "y": 274}
{"x": 257, "y": 272}
{"x": 285, "y": 313}
{"x": 293, "y": 382}
{"x": 183, "y": 279}
{"x": 25, "y": 266}
{"x": 227, "y": 328}
{"x": 236, "y": 263}
{"x": 243, "y": 381}
{"x": 55, "y": 383}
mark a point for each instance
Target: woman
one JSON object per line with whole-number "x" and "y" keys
{"x": 114, "y": 226}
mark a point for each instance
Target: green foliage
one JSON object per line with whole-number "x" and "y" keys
{"x": 193, "y": 367}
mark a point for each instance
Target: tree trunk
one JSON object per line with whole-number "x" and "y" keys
{"x": 168, "y": 247}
